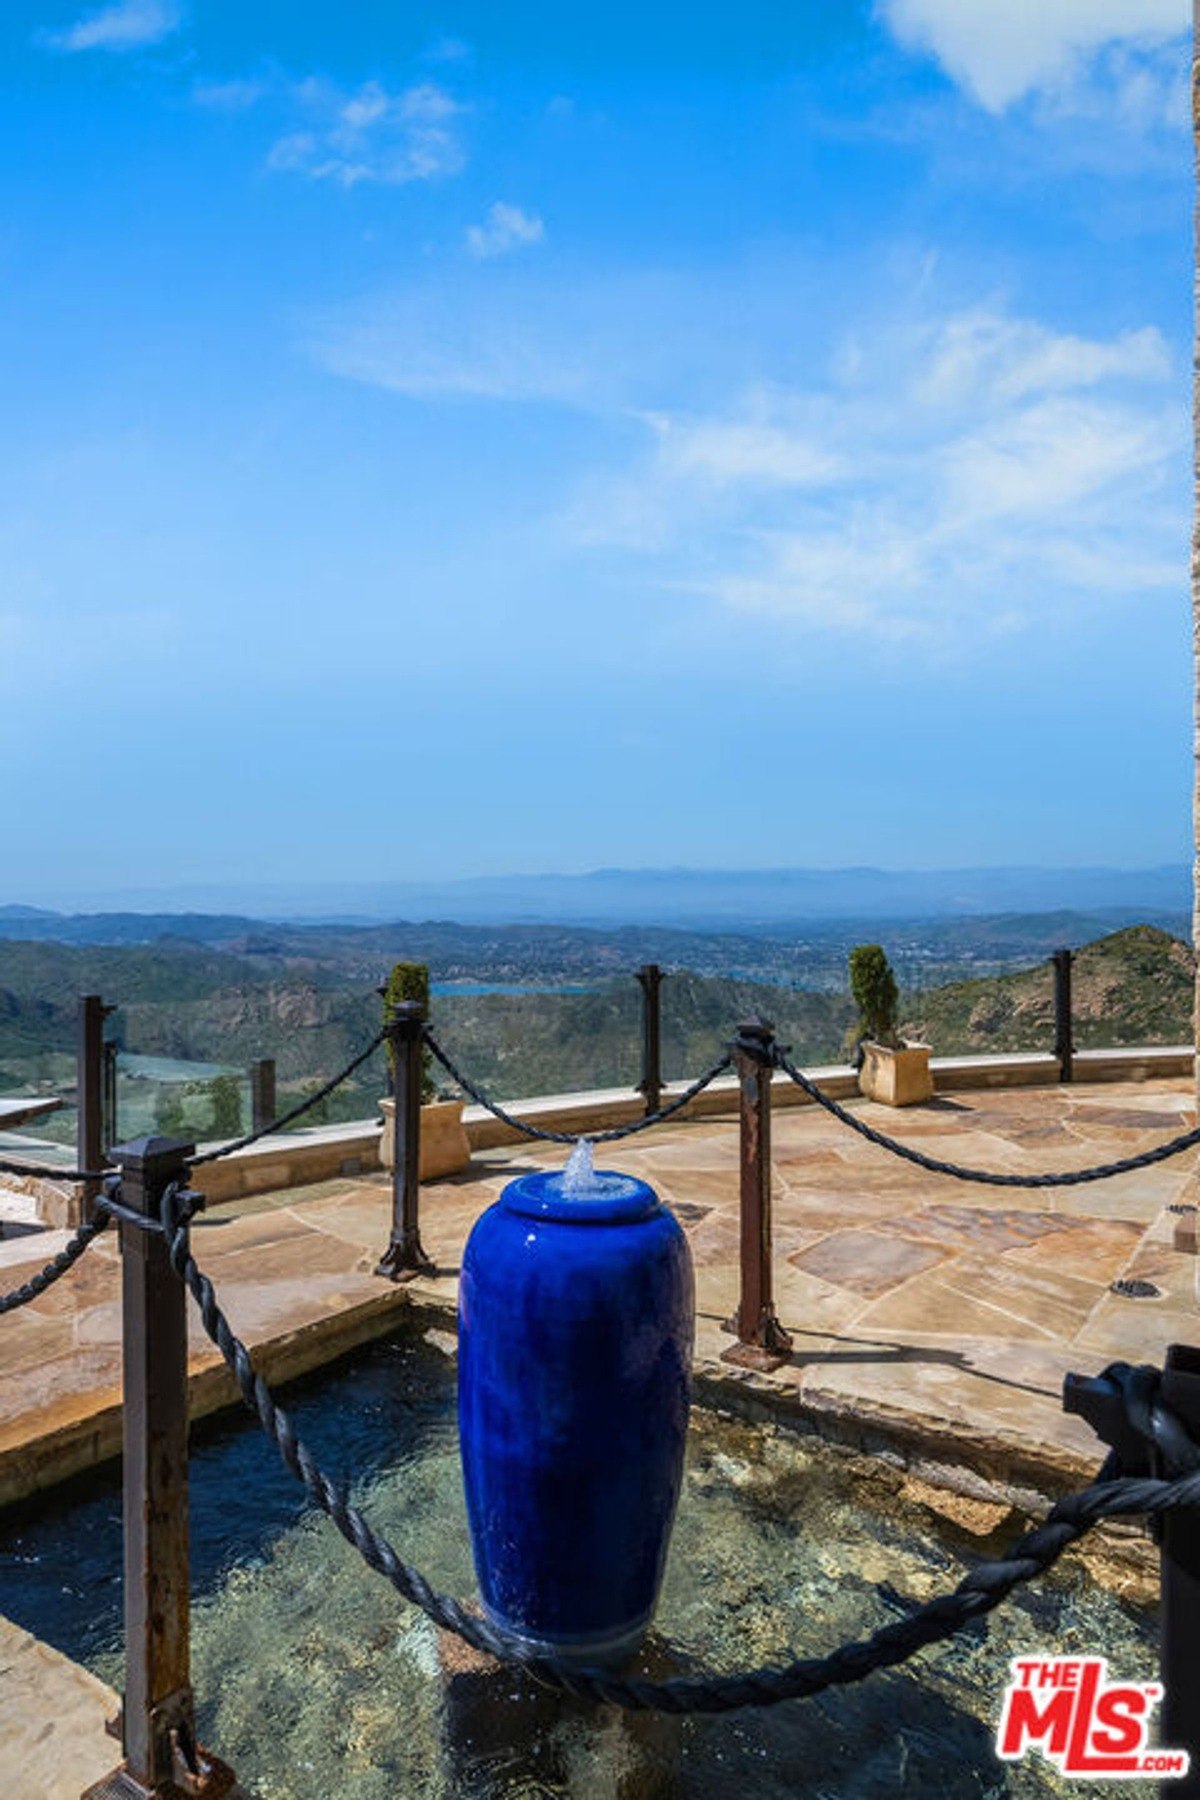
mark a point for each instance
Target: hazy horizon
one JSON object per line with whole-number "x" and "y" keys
{"x": 664, "y": 894}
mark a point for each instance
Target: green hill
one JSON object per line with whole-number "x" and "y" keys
{"x": 1132, "y": 987}
{"x": 190, "y": 1002}
{"x": 550, "y": 1043}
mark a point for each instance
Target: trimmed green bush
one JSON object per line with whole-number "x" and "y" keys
{"x": 876, "y": 995}
{"x": 409, "y": 981}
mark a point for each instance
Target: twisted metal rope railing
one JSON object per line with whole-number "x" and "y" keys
{"x": 85, "y": 1235}
{"x": 47, "y": 1172}
{"x": 776, "y": 1058}
{"x": 1111, "y": 1496}
{"x": 609, "y": 1136}
{"x": 938, "y": 1166}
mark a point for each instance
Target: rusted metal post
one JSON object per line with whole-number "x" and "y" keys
{"x": 91, "y": 1013}
{"x": 1064, "y": 1034}
{"x": 649, "y": 978}
{"x": 158, "y": 1733}
{"x": 762, "y": 1341}
{"x": 262, "y": 1093}
{"x": 404, "y": 1256}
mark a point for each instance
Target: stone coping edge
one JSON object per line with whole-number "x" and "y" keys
{"x": 946, "y": 1452}
{"x": 93, "y": 1436}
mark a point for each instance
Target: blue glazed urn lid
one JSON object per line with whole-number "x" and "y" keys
{"x": 581, "y": 1194}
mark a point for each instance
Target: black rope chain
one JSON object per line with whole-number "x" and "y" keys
{"x": 777, "y": 1059}
{"x": 573, "y": 1137}
{"x": 86, "y": 1234}
{"x": 107, "y": 1208}
{"x": 1111, "y": 1496}
{"x": 44, "y": 1172}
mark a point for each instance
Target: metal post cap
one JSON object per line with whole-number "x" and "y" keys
{"x": 144, "y": 1151}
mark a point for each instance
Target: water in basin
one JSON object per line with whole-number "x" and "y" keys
{"x": 313, "y": 1678}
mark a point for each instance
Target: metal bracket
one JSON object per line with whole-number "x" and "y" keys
{"x": 1098, "y": 1401}
{"x": 192, "y": 1203}
{"x": 755, "y": 1041}
{"x": 773, "y": 1348}
{"x": 194, "y": 1773}
{"x": 210, "y": 1780}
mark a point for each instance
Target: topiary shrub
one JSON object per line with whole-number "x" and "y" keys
{"x": 876, "y": 995}
{"x": 409, "y": 981}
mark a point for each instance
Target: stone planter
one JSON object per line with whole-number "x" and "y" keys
{"x": 896, "y": 1077}
{"x": 444, "y": 1146}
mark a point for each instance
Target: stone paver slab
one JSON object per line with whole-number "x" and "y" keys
{"x": 865, "y": 1261}
{"x": 53, "y": 1742}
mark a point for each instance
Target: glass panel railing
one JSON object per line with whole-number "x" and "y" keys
{"x": 179, "y": 1097}
{"x": 701, "y": 1013}
{"x": 516, "y": 1043}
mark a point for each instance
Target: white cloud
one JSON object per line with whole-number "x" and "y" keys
{"x": 756, "y": 448}
{"x": 618, "y": 343}
{"x": 940, "y": 476}
{"x": 1002, "y": 50}
{"x": 371, "y": 134}
{"x": 128, "y": 25}
{"x": 506, "y": 228}
{"x": 953, "y": 484}
{"x": 986, "y": 354}
{"x": 411, "y": 347}
{"x": 1039, "y": 460}
{"x": 1124, "y": 87}
{"x": 510, "y": 332}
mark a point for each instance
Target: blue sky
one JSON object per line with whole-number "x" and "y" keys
{"x": 462, "y": 439}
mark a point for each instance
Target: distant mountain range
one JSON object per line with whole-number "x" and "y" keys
{"x": 747, "y": 900}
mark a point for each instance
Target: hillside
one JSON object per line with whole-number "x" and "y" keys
{"x": 544, "y": 1043}
{"x": 924, "y": 950}
{"x": 195, "y": 1004}
{"x": 1131, "y": 987}
{"x": 176, "y": 999}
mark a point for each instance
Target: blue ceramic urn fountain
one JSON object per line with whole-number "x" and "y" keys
{"x": 575, "y": 1324}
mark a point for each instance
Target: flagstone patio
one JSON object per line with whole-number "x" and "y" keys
{"x": 929, "y": 1316}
